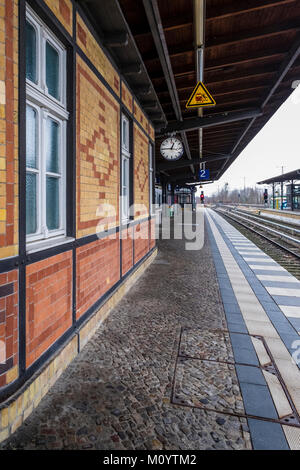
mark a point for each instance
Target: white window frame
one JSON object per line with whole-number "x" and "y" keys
{"x": 47, "y": 106}
{"x": 151, "y": 178}
{"x": 125, "y": 144}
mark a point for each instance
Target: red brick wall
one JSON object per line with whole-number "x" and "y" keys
{"x": 141, "y": 240}
{"x": 97, "y": 269}
{"x": 127, "y": 250}
{"x": 8, "y": 325}
{"x": 48, "y": 303}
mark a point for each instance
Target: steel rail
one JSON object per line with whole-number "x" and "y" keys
{"x": 251, "y": 216}
{"x": 276, "y": 232}
{"x": 260, "y": 234}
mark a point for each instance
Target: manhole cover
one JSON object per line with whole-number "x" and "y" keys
{"x": 206, "y": 344}
{"x": 207, "y": 384}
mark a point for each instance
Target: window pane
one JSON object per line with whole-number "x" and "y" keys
{"x": 30, "y": 53}
{"x": 125, "y": 133}
{"x": 125, "y": 189}
{"x": 31, "y": 223}
{"x": 52, "y": 202}
{"x": 52, "y": 71}
{"x": 31, "y": 140}
{"x": 52, "y": 147}
{"x": 125, "y": 172}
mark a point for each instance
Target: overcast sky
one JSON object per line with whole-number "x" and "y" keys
{"x": 276, "y": 145}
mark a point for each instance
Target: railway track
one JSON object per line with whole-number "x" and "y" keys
{"x": 280, "y": 245}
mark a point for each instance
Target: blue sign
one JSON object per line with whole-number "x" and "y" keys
{"x": 203, "y": 174}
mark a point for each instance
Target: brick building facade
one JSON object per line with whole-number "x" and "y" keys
{"x": 51, "y": 286}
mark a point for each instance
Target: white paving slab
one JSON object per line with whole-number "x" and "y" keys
{"x": 266, "y": 267}
{"x": 276, "y": 277}
{"x": 290, "y": 311}
{"x": 264, "y": 259}
{"x": 283, "y": 291}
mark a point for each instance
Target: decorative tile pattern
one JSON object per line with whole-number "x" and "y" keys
{"x": 141, "y": 174}
{"x": 97, "y": 154}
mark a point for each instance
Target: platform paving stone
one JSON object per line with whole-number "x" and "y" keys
{"x": 117, "y": 393}
{"x": 206, "y": 344}
{"x": 208, "y": 384}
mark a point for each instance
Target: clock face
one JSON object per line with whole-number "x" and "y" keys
{"x": 171, "y": 148}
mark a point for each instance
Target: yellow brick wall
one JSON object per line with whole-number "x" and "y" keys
{"x": 96, "y": 55}
{"x": 141, "y": 173}
{"x": 141, "y": 118}
{"x": 8, "y": 128}
{"x": 63, "y": 10}
{"x": 99, "y": 179}
{"x": 151, "y": 132}
{"x": 127, "y": 97}
{"x": 98, "y": 152}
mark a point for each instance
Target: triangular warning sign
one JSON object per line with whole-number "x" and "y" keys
{"x": 200, "y": 97}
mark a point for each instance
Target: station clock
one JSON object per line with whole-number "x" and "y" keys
{"x": 171, "y": 149}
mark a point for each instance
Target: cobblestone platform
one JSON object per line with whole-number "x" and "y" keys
{"x": 198, "y": 355}
{"x": 120, "y": 392}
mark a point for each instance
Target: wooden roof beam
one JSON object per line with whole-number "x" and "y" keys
{"x": 242, "y": 7}
{"x": 222, "y": 93}
{"x": 236, "y": 38}
{"x": 263, "y": 72}
{"x": 256, "y": 56}
{"x": 173, "y": 24}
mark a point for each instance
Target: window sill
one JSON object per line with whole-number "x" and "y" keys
{"x": 125, "y": 222}
{"x": 33, "y": 247}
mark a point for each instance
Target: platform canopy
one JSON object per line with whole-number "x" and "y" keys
{"x": 250, "y": 60}
{"x": 291, "y": 176}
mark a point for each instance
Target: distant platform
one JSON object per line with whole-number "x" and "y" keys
{"x": 292, "y": 217}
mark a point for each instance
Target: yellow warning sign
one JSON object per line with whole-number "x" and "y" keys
{"x": 200, "y": 97}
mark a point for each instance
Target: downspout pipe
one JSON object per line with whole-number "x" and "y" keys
{"x": 199, "y": 22}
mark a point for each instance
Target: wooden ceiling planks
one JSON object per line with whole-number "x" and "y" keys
{"x": 245, "y": 44}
